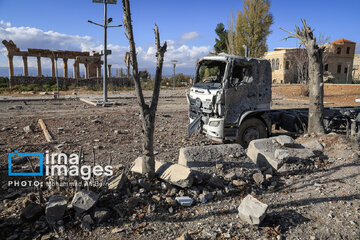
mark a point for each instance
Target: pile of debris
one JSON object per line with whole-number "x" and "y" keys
{"x": 202, "y": 174}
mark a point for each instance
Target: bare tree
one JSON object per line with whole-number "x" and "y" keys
{"x": 316, "y": 85}
{"x": 147, "y": 111}
{"x": 230, "y": 40}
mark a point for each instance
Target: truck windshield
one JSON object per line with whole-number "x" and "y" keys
{"x": 210, "y": 73}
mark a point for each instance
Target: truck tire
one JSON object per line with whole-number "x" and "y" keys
{"x": 250, "y": 129}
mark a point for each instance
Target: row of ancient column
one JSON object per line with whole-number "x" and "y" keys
{"x": 76, "y": 68}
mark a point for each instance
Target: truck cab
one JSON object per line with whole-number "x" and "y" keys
{"x": 230, "y": 97}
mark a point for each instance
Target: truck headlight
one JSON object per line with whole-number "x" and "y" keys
{"x": 214, "y": 123}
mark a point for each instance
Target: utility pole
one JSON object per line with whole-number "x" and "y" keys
{"x": 106, "y": 52}
{"x": 174, "y": 62}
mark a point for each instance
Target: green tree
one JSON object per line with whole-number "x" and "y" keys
{"x": 144, "y": 75}
{"x": 220, "y": 41}
{"x": 253, "y": 27}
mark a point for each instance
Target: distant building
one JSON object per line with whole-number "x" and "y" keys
{"x": 356, "y": 68}
{"x": 289, "y": 65}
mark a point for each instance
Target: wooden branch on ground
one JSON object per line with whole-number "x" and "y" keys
{"x": 47, "y": 134}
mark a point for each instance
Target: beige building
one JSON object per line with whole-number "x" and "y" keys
{"x": 289, "y": 65}
{"x": 356, "y": 68}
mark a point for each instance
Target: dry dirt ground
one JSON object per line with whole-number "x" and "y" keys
{"x": 321, "y": 203}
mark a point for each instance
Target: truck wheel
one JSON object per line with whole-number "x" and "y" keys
{"x": 250, "y": 129}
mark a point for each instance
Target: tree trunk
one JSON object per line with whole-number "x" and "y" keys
{"x": 147, "y": 112}
{"x": 316, "y": 90}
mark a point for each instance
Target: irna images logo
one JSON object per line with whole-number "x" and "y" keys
{"x": 14, "y": 154}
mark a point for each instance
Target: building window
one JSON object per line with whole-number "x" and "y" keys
{"x": 348, "y": 50}
{"x": 339, "y": 68}
{"x": 345, "y": 70}
{"x": 326, "y": 68}
{"x": 273, "y": 64}
{"x": 277, "y": 64}
{"x": 338, "y": 50}
{"x": 287, "y": 65}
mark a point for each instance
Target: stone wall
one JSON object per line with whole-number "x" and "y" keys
{"x": 66, "y": 82}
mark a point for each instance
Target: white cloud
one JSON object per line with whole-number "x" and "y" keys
{"x": 29, "y": 37}
{"x": 189, "y": 36}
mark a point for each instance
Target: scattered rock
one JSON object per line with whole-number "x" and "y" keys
{"x": 252, "y": 210}
{"x": 31, "y": 212}
{"x": 117, "y": 182}
{"x": 55, "y": 208}
{"x": 258, "y": 178}
{"x": 185, "y": 236}
{"x": 230, "y": 176}
{"x": 101, "y": 215}
{"x": 176, "y": 174}
{"x": 84, "y": 200}
{"x": 314, "y": 145}
{"x": 29, "y": 129}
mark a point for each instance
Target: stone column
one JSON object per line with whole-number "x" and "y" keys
{"x": 52, "y": 67}
{"x": 109, "y": 66}
{"x": 76, "y": 70}
{"x": 11, "y": 66}
{"x": 66, "y": 75}
{"x": 86, "y": 70}
{"x": 39, "y": 66}
{"x": 26, "y": 70}
{"x": 98, "y": 72}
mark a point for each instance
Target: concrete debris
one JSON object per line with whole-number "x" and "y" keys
{"x": 176, "y": 174}
{"x": 230, "y": 176}
{"x": 184, "y": 201}
{"x": 55, "y": 209}
{"x": 199, "y": 156}
{"x": 314, "y": 145}
{"x": 138, "y": 166}
{"x": 268, "y": 152}
{"x": 285, "y": 141}
{"x": 29, "y": 129}
{"x": 84, "y": 200}
{"x": 252, "y": 210}
{"x": 117, "y": 182}
{"x": 281, "y": 154}
{"x": 31, "y": 212}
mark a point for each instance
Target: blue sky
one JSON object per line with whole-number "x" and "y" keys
{"x": 188, "y": 26}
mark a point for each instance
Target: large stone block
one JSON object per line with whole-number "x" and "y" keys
{"x": 252, "y": 210}
{"x": 202, "y": 156}
{"x": 273, "y": 152}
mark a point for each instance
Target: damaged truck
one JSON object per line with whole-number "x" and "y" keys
{"x": 230, "y": 100}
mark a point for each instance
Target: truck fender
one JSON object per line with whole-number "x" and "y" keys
{"x": 259, "y": 114}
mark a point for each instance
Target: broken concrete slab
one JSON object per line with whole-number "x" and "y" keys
{"x": 55, "y": 208}
{"x": 84, "y": 200}
{"x": 268, "y": 152}
{"x": 285, "y": 140}
{"x": 173, "y": 173}
{"x": 252, "y": 210}
{"x": 217, "y": 160}
{"x": 117, "y": 182}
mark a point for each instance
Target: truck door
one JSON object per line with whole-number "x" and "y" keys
{"x": 240, "y": 95}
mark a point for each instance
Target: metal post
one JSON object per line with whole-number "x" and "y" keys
{"x": 174, "y": 76}
{"x": 105, "y": 52}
